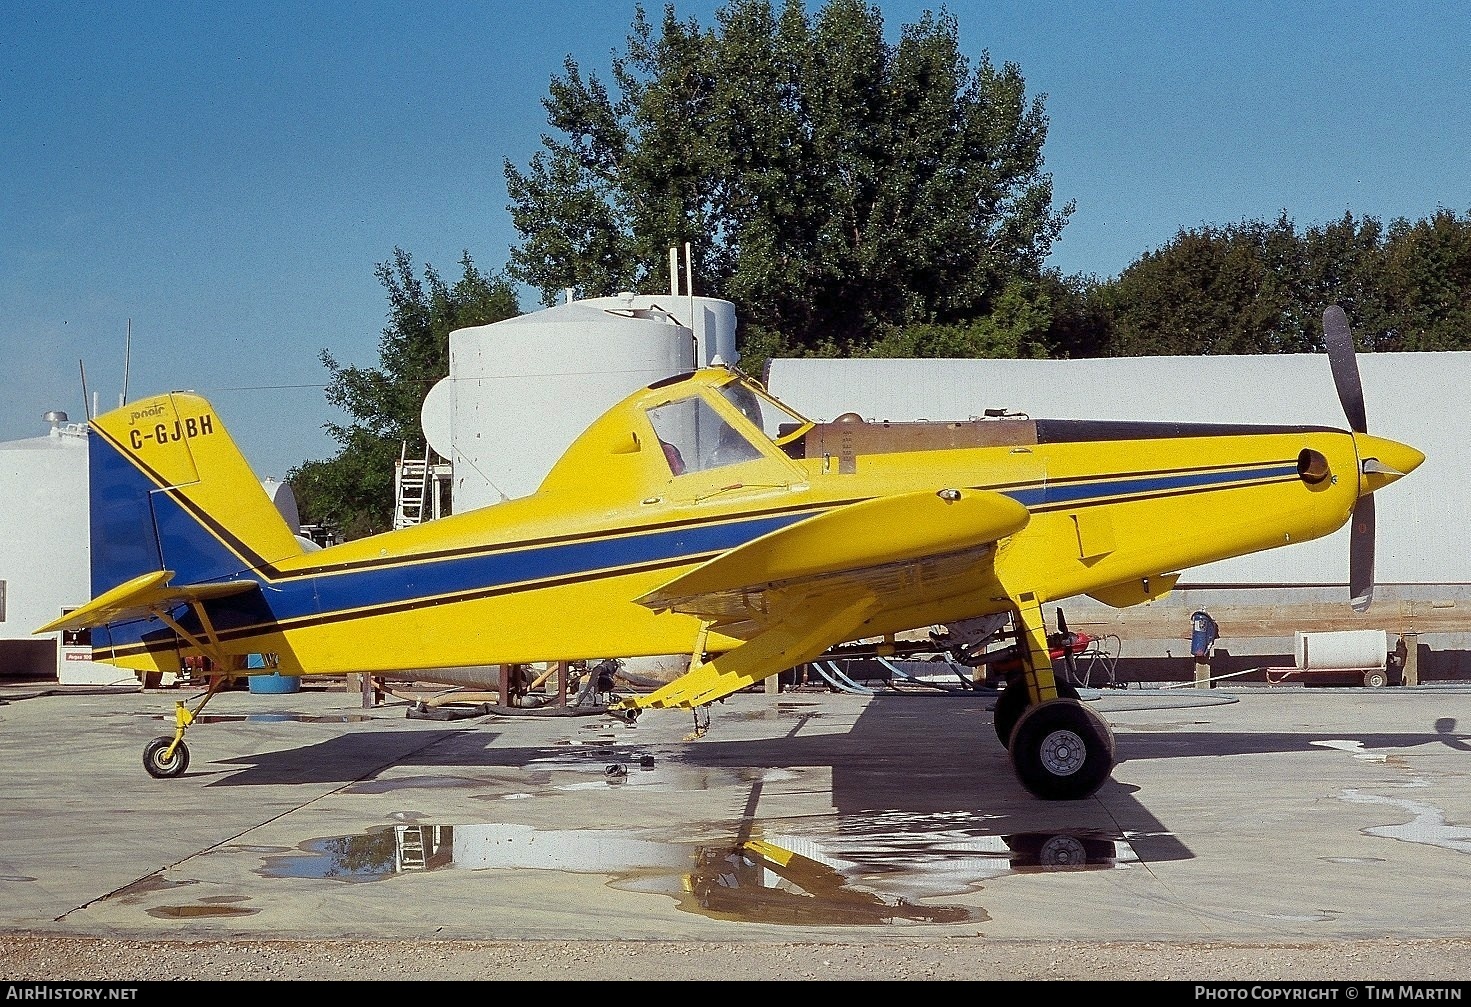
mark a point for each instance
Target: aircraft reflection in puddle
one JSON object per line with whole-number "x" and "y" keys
{"x": 272, "y": 718}
{"x": 772, "y": 879}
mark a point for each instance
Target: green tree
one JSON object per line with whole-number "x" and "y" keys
{"x": 1427, "y": 284}
{"x": 1210, "y": 290}
{"x": 353, "y": 491}
{"x": 1255, "y": 287}
{"x": 834, "y": 185}
{"x": 1342, "y": 262}
{"x": 1018, "y": 327}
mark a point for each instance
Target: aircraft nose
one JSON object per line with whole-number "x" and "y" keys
{"x": 1382, "y": 461}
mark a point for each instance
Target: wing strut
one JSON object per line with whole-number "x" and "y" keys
{"x": 1037, "y": 669}
{"x": 209, "y": 646}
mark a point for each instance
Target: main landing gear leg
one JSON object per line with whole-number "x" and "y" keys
{"x": 1060, "y": 750}
{"x": 168, "y": 756}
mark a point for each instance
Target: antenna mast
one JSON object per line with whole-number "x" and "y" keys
{"x": 689, "y": 280}
{"x": 122, "y": 399}
{"x": 86, "y": 406}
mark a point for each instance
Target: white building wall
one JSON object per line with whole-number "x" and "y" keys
{"x": 1423, "y": 526}
{"x": 45, "y": 553}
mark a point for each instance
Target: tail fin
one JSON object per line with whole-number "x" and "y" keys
{"x": 170, "y": 491}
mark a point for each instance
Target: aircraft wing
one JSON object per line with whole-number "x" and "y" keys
{"x": 795, "y": 592}
{"x": 139, "y": 597}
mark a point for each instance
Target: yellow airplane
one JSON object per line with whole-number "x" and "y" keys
{"x": 701, "y": 516}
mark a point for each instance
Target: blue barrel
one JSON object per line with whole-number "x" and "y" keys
{"x": 274, "y": 684}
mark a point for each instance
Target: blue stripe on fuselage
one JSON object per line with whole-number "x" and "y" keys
{"x": 1095, "y": 490}
{"x": 450, "y": 578}
{"x": 500, "y": 570}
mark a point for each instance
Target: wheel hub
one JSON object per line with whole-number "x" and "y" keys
{"x": 1063, "y": 753}
{"x": 1062, "y": 851}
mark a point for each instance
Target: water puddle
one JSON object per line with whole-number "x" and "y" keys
{"x": 860, "y": 878}
{"x": 147, "y": 886}
{"x": 194, "y": 912}
{"x": 1354, "y": 748}
{"x": 782, "y": 711}
{"x": 1427, "y": 825}
{"x": 207, "y": 907}
{"x": 270, "y": 718}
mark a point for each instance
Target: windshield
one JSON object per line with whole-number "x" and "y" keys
{"x": 769, "y": 415}
{"x": 695, "y": 438}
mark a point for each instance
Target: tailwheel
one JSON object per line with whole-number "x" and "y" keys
{"x": 168, "y": 756}
{"x": 1012, "y": 703}
{"x": 1061, "y": 750}
{"x": 163, "y": 764}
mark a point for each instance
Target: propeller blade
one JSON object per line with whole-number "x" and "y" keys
{"x": 1345, "y": 367}
{"x": 1361, "y": 555}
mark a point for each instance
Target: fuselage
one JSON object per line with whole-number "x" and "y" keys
{"x": 557, "y": 575}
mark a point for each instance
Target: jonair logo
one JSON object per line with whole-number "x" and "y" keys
{"x": 157, "y": 409}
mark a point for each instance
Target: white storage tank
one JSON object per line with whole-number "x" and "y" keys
{"x": 1347, "y": 650}
{"x": 521, "y": 390}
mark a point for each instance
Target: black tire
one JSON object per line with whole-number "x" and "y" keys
{"x": 1376, "y": 678}
{"x": 1012, "y": 703}
{"x": 160, "y": 767}
{"x": 1061, "y": 750}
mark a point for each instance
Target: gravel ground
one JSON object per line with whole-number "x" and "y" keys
{"x": 42, "y": 957}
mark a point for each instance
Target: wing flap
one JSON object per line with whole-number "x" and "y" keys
{"x": 808, "y": 632}
{"x": 142, "y": 596}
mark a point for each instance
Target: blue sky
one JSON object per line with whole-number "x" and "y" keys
{"x": 226, "y": 177}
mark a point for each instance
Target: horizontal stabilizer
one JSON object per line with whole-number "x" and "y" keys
{"x": 142, "y": 596}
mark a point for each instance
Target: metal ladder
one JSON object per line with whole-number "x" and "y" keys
{"x": 411, "y": 486}
{"x": 410, "y": 848}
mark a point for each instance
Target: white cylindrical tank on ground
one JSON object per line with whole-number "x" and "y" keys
{"x": 1346, "y": 650}
{"x": 521, "y": 390}
{"x": 284, "y": 498}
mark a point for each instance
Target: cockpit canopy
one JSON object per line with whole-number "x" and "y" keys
{"x": 699, "y": 431}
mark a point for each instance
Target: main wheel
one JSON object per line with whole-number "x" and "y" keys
{"x": 1061, "y": 750}
{"x": 161, "y": 767}
{"x": 1376, "y": 678}
{"x": 1012, "y": 703}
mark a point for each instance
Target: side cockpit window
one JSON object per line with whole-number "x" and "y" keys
{"x": 694, "y": 437}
